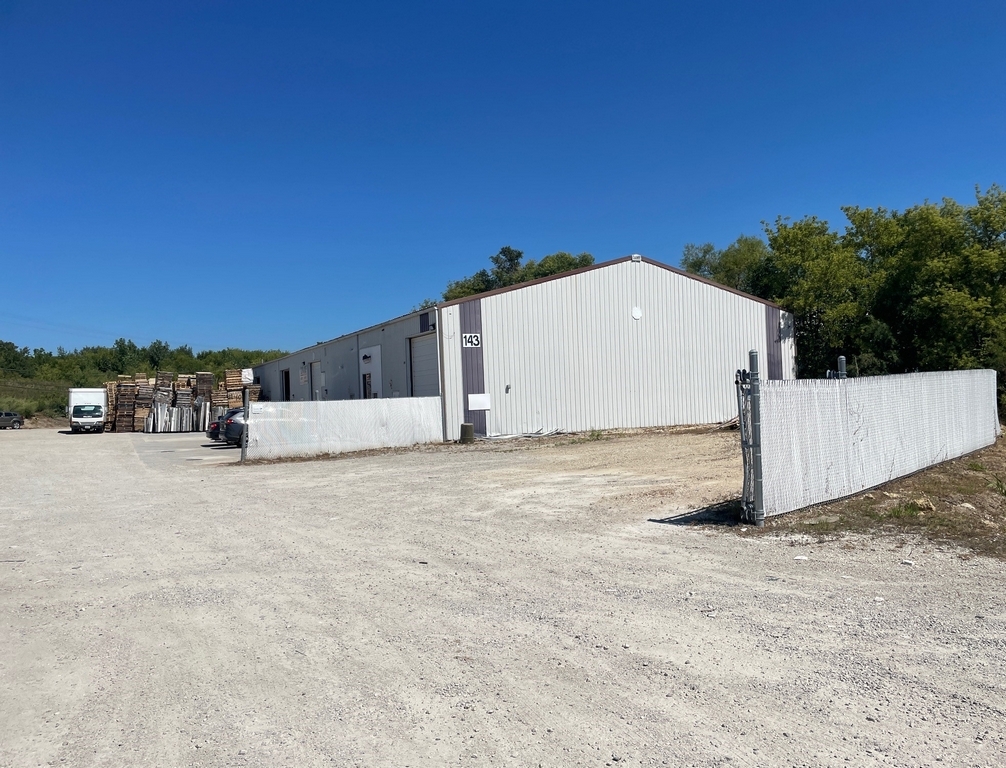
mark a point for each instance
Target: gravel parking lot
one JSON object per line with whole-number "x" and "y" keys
{"x": 512, "y": 604}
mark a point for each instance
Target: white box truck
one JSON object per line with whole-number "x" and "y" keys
{"x": 87, "y": 410}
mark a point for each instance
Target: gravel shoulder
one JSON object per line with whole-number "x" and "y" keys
{"x": 514, "y": 604}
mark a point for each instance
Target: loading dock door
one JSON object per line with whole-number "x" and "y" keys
{"x": 425, "y": 371}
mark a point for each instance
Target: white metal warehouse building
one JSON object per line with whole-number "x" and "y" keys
{"x": 627, "y": 343}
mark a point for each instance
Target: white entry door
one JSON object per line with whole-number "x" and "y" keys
{"x": 370, "y": 372}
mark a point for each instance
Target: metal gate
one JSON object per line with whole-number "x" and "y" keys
{"x": 749, "y": 421}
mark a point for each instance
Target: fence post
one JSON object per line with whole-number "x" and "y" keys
{"x": 841, "y": 366}
{"x": 759, "y": 497}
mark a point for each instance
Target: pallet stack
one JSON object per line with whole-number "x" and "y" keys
{"x": 218, "y": 399}
{"x": 164, "y": 404}
{"x": 204, "y": 385}
{"x": 110, "y": 410}
{"x": 235, "y": 388}
{"x": 125, "y": 397}
{"x": 144, "y": 393}
{"x": 164, "y": 392}
{"x": 183, "y": 398}
{"x": 140, "y": 418}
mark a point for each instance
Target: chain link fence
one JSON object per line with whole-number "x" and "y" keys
{"x": 810, "y": 441}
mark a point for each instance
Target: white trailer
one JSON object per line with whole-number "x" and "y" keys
{"x": 87, "y": 410}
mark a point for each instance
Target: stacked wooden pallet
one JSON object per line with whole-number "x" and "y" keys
{"x": 144, "y": 394}
{"x": 183, "y": 398}
{"x": 234, "y": 385}
{"x": 162, "y": 404}
{"x": 110, "y": 409}
{"x": 140, "y": 418}
{"x": 204, "y": 385}
{"x": 125, "y": 397}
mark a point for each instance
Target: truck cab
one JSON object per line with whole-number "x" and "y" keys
{"x": 87, "y": 418}
{"x": 87, "y": 410}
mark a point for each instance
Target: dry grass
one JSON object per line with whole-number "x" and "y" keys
{"x": 961, "y": 502}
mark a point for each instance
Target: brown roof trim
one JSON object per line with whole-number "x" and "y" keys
{"x": 602, "y": 265}
{"x": 713, "y": 283}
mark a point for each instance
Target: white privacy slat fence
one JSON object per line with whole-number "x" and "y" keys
{"x": 824, "y": 439}
{"x": 280, "y": 430}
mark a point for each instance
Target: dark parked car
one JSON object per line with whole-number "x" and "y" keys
{"x": 213, "y": 433}
{"x": 217, "y": 426}
{"x": 234, "y": 428}
{"x": 11, "y": 420}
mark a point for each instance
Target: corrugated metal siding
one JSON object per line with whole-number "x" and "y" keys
{"x": 575, "y": 359}
{"x": 340, "y": 363}
{"x": 472, "y": 366}
{"x": 454, "y": 406}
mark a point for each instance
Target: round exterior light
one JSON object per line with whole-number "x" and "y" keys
{"x": 637, "y": 313}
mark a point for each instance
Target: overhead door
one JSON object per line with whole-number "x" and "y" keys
{"x": 425, "y": 371}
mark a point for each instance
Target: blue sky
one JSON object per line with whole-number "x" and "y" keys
{"x": 336, "y": 163}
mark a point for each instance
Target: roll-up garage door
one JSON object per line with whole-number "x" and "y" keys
{"x": 425, "y": 371}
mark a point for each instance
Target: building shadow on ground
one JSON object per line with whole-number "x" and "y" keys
{"x": 727, "y": 513}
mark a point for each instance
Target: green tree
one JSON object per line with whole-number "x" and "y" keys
{"x": 923, "y": 289}
{"x": 812, "y": 273}
{"x": 508, "y": 268}
{"x": 157, "y": 353}
{"x": 554, "y": 264}
{"x": 738, "y": 266}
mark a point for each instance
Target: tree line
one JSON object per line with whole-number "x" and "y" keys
{"x": 894, "y": 291}
{"x": 24, "y": 372}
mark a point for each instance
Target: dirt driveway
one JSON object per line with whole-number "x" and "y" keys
{"x": 507, "y": 605}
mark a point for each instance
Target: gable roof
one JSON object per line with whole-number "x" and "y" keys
{"x": 602, "y": 265}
